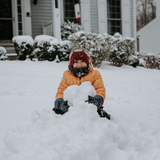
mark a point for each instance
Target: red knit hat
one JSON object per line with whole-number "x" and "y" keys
{"x": 79, "y": 54}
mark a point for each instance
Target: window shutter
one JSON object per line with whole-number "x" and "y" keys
{"x": 85, "y": 15}
{"x": 102, "y": 16}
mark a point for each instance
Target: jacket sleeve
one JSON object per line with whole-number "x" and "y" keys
{"x": 62, "y": 86}
{"x": 98, "y": 85}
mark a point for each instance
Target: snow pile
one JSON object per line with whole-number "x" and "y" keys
{"x": 133, "y": 133}
{"x": 79, "y": 134}
{"x": 21, "y": 39}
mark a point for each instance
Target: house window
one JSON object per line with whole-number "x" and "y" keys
{"x": 20, "y": 29}
{"x": 114, "y": 16}
{"x": 69, "y": 12}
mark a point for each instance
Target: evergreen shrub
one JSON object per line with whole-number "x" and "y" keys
{"x": 68, "y": 28}
{"x": 47, "y": 47}
{"x": 24, "y": 46}
{"x": 151, "y": 60}
{"x": 123, "y": 51}
{"x": 98, "y": 45}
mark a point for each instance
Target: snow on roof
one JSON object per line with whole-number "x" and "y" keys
{"x": 22, "y": 38}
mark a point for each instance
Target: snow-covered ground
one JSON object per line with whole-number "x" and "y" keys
{"x": 29, "y": 129}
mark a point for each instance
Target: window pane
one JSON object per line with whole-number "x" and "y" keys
{"x": 18, "y": 1}
{"x": 20, "y": 26}
{"x": 114, "y": 13}
{"x": 19, "y": 18}
{"x": 19, "y": 9}
{"x": 69, "y": 12}
{"x": 113, "y": 8}
{"x": 114, "y": 26}
{"x": 20, "y": 32}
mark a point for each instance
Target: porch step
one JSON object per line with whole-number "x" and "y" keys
{"x": 10, "y": 49}
{"x": 11, "y": 56}
{"x": 6, "y": 44}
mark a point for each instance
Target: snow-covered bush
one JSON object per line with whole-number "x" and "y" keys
{"x": 68, "y": 28}
{"x": 152, "y": 60}
{"x": 122, "y": 50}
{"x": 23, "y": 46}
{"x": 45, "y": 47}
{"x": 64, "y": 49}
{"x": 98, "y": 45}
{"x": 134, "y": 61}
{"x": 3, "y": 53}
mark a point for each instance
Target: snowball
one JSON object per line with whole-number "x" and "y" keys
{"x": 75, "y": 92}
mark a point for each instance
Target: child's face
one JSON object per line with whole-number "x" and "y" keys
{"x": 79, "y": 64}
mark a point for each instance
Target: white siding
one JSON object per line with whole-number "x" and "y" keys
{"x": 94, "y": 16}
{"x": 132, "y": 18}
{"x": 150, "y": 37}
{"x": 126, "y": 31}
{"x": 85, "y": 15}
{"x": 41, "y": 13}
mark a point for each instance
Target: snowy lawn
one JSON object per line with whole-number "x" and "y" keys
{"x": 29, "y": 130}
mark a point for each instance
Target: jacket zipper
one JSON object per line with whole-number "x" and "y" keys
{"x": 80, "y": 81}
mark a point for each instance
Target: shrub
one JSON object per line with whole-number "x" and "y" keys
{"x": 122, "y": 50}
{"x": 68, "y": 28}
{"x": 3, "y": 52}
{"x": 23, "y": 47}
{"x": 98, "y": 45}
{"x": 45, "y": 47}
{"x": 64, "y": 49}
{"x": 152, "y": 60}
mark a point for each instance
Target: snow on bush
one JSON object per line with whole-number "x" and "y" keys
{"x": 68, "y": 28}
{"x": 151, "y": 60}
{"x": 47, "y": 47}
{"x": 123, "y": 49}
{"x": 23, "y": 46}
{"x": 64, "y": 49}
{"x": 3, "y": 53}
{"x": 98, "y": 45}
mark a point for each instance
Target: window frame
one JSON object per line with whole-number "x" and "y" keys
{"x": 71, "y": 18}
{"x": 115, "y": 19}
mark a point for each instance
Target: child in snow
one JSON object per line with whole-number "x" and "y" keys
{"x": 80, "y": 69}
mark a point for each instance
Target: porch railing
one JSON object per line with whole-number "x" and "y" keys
{"x": 47, "y": 28}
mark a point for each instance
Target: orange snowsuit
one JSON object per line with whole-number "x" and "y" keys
{"x": 93, "y": 76}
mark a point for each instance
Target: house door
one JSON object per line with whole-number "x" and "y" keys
{"x": 6, "y": 29}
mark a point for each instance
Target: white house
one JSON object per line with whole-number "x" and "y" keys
{"x": 35, "y": 17}
{"x": 149, "y": 35}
